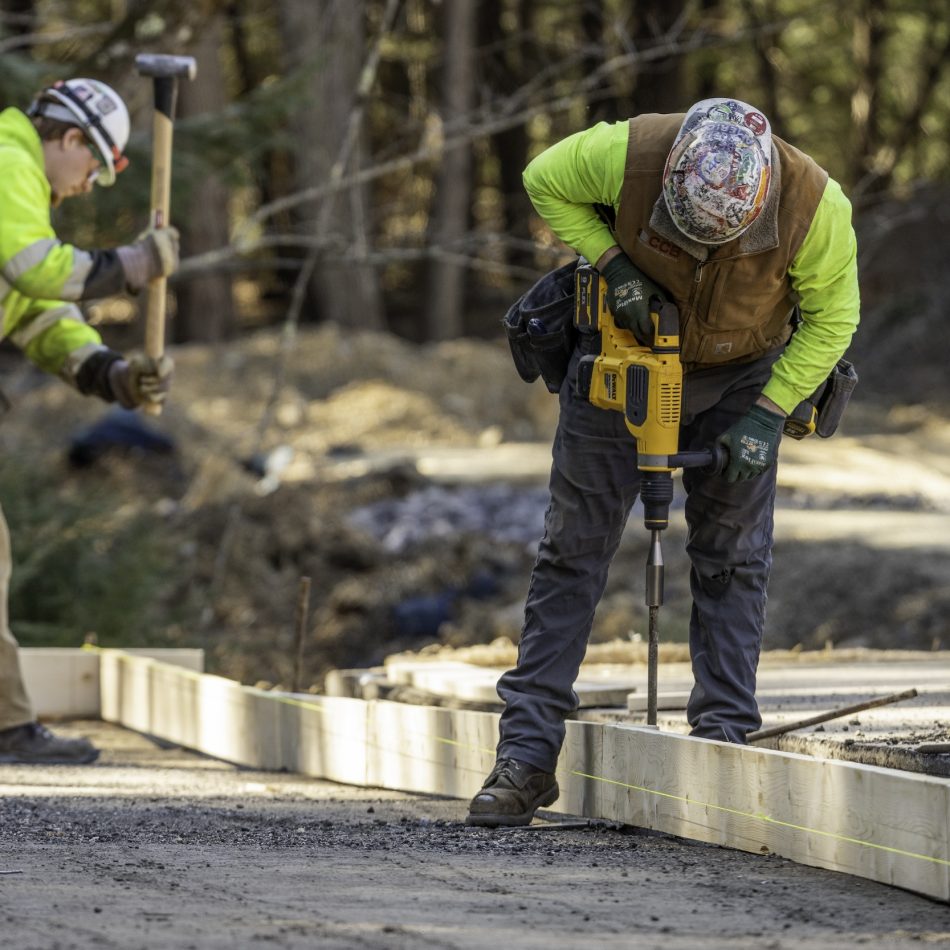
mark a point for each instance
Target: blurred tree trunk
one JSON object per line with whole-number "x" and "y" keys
{"x": 759, "y": 13}
{"x": 19, "y": 17}
{"x": 325, "y": 38}
{"x": 706, "y": 62}
{"x": 869, "y": 35}
{"x": 593, "y": 24}
{"x": 876, "y": 152}
{"x": 450, "y": 216}
{"x": 275, "y": 178}
{"x": 598, "y": 49}
{"x": 659, "y": 86}
{"x": 205, "y": 303}
{"x": 505, "y": 72}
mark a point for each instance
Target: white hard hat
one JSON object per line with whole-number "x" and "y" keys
{"x": 717, "y": 174}
{"x": 95, "y": 108}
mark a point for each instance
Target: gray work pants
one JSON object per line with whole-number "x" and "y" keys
{"x": 15, "y": 708}
{"x": 594, "y": 483}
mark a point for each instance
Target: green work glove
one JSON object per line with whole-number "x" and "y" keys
{"x": 752, "y": 443}
{"x": 628, "y": 296}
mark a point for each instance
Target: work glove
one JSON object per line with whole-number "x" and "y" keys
{"x": 752, "y": 444}
{"x": 153, "y": 254}
{"x": 628, "y": 296}
{"x": 139, "y": 379}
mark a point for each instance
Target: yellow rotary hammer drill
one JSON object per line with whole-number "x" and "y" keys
{"x": 645, "y": 383}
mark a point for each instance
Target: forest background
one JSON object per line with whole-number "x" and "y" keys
{"x": 352, "y": 171}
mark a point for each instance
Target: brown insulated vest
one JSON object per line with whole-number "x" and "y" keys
{"x": 735, "y": 300}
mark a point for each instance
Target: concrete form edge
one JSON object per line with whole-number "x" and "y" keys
{"x": 63, "y": 682}
{"x": 882, "y": 824}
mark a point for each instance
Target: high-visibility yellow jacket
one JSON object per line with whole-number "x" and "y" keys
{"x": 567, "y": 181}
{"x": 39, "y": 274}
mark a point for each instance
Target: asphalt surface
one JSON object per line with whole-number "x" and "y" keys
{"x": 158, "y": 848}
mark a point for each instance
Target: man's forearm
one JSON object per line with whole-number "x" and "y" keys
{"x": 569, "y": 178}
{"x": 767, "y": 403}
{"x": 607, "y": 257}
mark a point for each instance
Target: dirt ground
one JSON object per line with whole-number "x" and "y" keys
{"x": 155, "y": 848}
{"x": 408, "y": 483}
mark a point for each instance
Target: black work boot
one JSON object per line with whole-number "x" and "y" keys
{"x": 511, "y": 794}
{"x": 34, "y": 744}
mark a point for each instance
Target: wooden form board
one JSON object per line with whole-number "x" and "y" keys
{"x": 64, "y": 682}
{"x": 478, "y": 683}
{"x": 882, "y": 824}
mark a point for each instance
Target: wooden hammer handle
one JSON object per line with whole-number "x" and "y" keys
{"x": 159, "y": 217}
{"x": 162, "y": 125}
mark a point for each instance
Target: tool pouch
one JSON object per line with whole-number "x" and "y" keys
{"x": 821, "y": 412}
{"x": 833, "y": 398}
{"x": 540, "y": 328}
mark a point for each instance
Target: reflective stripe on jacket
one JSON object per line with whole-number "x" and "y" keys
{"x": 38, "y": 273}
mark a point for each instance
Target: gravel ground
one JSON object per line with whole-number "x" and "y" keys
{"x": 158, "y": 848}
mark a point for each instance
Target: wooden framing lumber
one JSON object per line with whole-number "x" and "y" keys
{"x": 471, "y": 683}
{"x": 882, "y": 824}
{"x": 63, "y": 682}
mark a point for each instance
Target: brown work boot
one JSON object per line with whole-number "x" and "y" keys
{"x": 34, "y": 744}
{"x": 511, "y": 794}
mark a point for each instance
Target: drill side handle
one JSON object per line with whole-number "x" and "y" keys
{"x": 712, "y": 461}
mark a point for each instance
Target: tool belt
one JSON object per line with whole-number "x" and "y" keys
{"x": 540, "y": 328}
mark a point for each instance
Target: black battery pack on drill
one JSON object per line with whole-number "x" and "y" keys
{"x": 821, "y": 413}
{"x": 540, "y": 329}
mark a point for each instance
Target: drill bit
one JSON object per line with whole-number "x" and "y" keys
{"x": 654, "y": 598}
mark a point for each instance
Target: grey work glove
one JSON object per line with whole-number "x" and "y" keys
{"x": 628, "y": 296}
{"x": 752, "y": 443}
{"x": 139, "y": 379}
{"x": 153, "y": 254}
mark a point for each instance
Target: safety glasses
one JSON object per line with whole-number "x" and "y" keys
{"x": 97, "y": 155}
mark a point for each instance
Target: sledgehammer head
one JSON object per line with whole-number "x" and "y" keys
{"x": 162, "y": 66}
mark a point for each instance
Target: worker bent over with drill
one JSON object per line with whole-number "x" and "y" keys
{"x": 73, "y": 134}
{"x": 736, "y": 227}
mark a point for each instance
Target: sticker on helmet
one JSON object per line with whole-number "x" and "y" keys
{"x": 718, "y": 170}
{"x": 756, "y": 122}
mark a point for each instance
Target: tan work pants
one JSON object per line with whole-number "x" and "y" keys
{"x": 15, "y": 707}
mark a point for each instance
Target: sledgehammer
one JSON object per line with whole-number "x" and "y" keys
{"x": 166, "y": 71}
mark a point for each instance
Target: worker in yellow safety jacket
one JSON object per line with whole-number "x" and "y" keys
{"x": 73, "y": 134}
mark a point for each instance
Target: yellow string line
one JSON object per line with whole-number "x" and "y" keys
{"x": 760, "y": 816}
{"x": 738, "y": 813}
{"x": 757, "y": 816}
